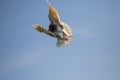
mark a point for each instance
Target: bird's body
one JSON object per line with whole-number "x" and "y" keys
{"x": 57, "y": 28}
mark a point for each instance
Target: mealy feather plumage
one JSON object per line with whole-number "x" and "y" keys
{"x": 57, "y": 28}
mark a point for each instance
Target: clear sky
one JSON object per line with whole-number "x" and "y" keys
{"x": 94, "y": 53}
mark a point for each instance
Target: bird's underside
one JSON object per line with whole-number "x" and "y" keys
{"x": 57, "y": 28}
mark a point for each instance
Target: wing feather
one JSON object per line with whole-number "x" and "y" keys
{"x": 53, "y": 14}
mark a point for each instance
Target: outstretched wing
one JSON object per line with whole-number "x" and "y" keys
{"x": 42, "y": 29}
{"x": 53, "y": 15}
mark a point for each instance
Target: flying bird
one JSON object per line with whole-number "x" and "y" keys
{"x": 57, "y": 28}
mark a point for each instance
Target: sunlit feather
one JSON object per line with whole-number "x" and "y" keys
{"x": 57, "y": 28}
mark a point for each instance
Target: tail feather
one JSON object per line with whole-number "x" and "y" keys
{"x": 60, "y": 43}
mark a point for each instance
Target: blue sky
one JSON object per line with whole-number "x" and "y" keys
{"x": 94, "y": 53}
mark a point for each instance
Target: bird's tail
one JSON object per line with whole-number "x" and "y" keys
{"x": 63, "y": 42}
{"x": 60, "y": 43}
